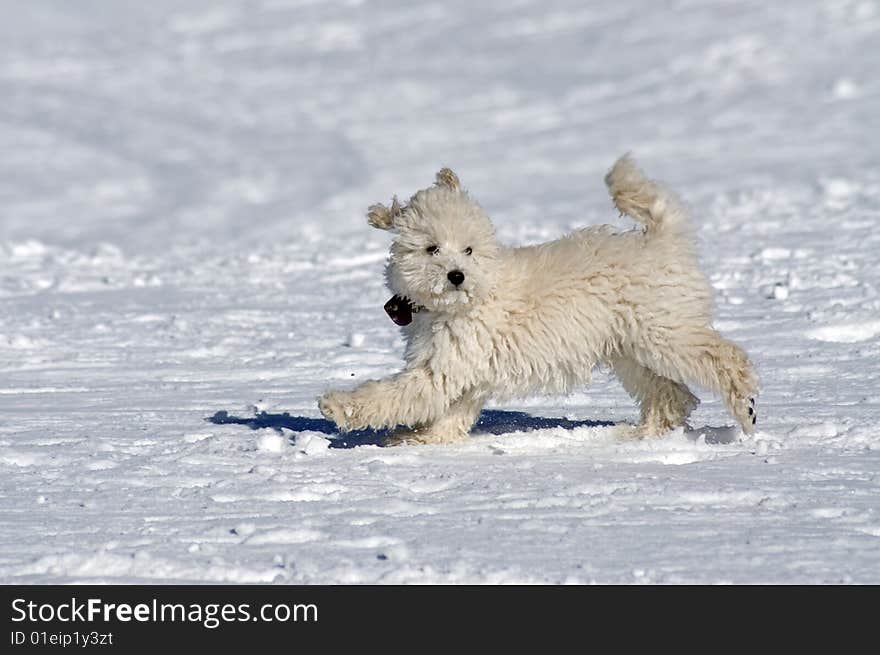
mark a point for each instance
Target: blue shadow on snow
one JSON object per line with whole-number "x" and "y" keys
{"x": 493, "y": 421}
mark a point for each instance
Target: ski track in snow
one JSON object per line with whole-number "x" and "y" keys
{"x": 185, "y": 267}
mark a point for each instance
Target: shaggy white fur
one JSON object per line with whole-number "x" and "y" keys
{"x": 504, "y": 322}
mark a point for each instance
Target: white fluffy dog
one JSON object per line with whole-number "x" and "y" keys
{"x": 485, "y": 321}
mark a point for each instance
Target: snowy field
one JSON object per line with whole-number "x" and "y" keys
{"x": 185, "y": 266}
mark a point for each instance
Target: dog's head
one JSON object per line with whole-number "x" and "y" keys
{"x": 444, "y": 254}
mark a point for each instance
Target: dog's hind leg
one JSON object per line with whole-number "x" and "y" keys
{"x": 452, "y": 427}
{"x": 664, "y": 403}
{"x": 703, "y": 357}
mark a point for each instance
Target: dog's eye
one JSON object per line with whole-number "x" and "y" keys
{"x": 432, "y": 250}
{"x": 468, "y": 250}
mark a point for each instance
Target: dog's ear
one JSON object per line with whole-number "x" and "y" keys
{"x": 446, "y": 178}
{"x": 381, "y": 217}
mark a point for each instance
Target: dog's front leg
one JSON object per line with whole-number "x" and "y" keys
{"x": 453, "y": 427}
{"x": 408, "y": 398}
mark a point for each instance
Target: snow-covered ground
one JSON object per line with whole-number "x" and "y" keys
{"x": 185, "y": 267}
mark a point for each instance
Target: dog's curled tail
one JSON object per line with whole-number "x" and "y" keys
{"x": 645, "y": 200}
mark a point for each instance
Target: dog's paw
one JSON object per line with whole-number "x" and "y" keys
{"x": 336, "y": 406}
{"x": 424, "y": 436}
{"x": 407, "y": 437}
{"x": 399, "y": 438}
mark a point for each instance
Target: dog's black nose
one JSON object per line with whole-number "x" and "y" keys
{"x": 456, "y": 277}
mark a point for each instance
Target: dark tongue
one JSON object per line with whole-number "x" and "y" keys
{"x": 400, "y": 310}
